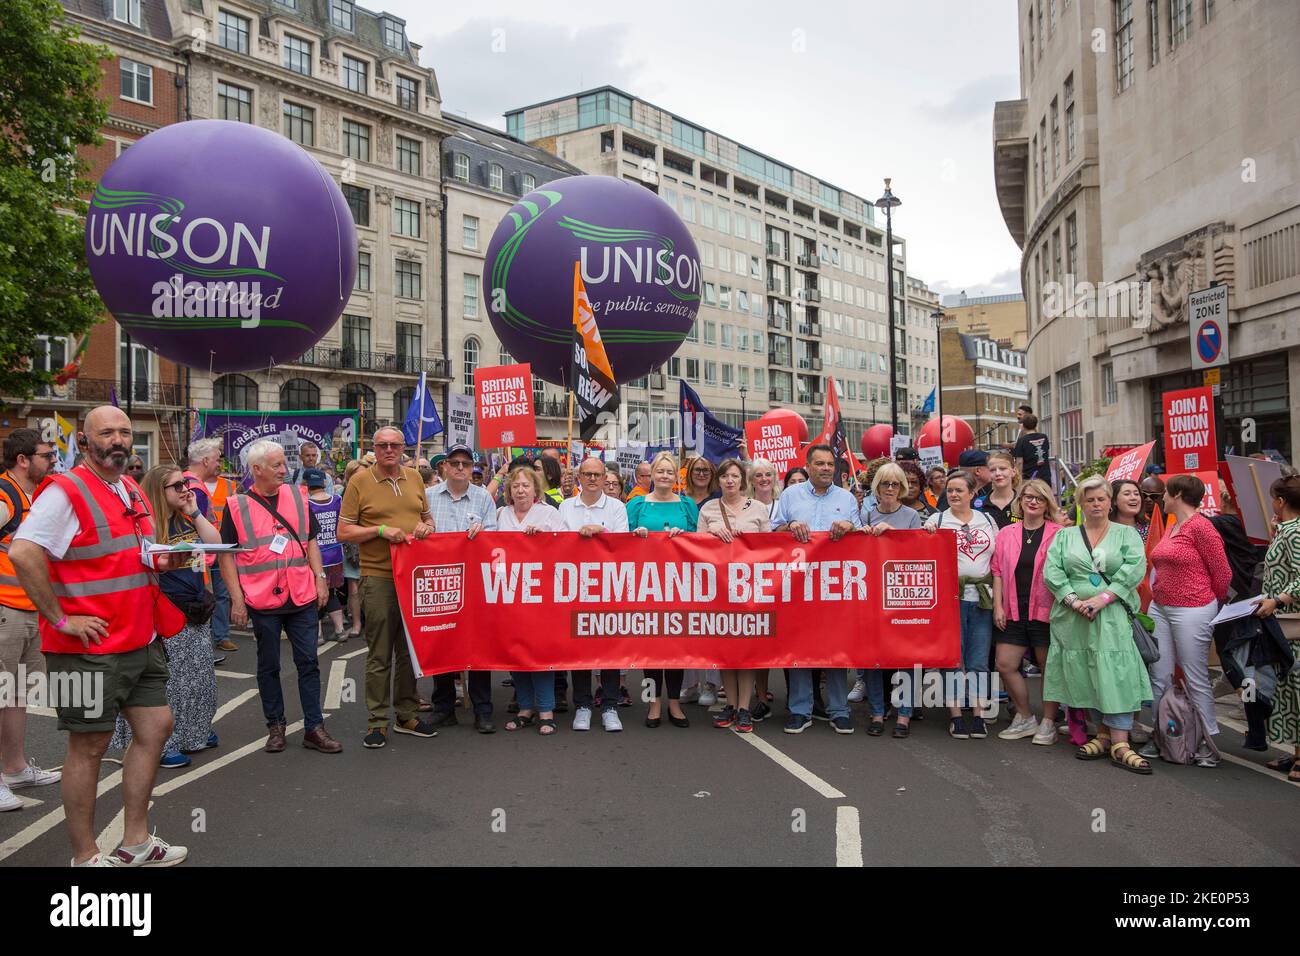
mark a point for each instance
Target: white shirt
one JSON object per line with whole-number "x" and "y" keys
{"x": 52, "y": 522}
{"x": 542, "y": 516}
{"x": 607, "y": 512}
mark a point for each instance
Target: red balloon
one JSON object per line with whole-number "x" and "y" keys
{"x": 957, "y": 437}
{"x": 791, "y": 417}
{"x": 875, "y": 441}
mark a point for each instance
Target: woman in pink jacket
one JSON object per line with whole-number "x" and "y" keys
{"x": 1022, "y": 604}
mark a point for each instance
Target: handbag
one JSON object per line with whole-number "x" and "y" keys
{"x": 1141, "y": 625}
{"x": 168, "y": 619}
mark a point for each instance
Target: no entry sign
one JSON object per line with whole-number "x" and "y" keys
{"x": 1208, "y": 324}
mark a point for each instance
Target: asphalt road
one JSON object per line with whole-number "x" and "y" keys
{"x": 667, "y": 796}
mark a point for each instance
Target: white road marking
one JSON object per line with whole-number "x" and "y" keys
{"x": 197, "y": 774}
{"x": 798, "y": 770}
{"x": 1248, "y": 764}
{"x": 848, "y": 837}
{"x": 334, "y": 690}
{"x": 50, "y": 820}
{"x": 28, "y": 802}
{"x": 234, "y": 702}
{"x": 42, "y": 711}
{"x": 235, "y": 674}
{"x": 351, "y": 654}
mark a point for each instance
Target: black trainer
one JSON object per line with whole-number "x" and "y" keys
{"x": 376, "y": 738}
{"x": 415, "y": 727}
{"x": 444, "y": 718}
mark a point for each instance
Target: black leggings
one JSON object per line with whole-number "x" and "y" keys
{"x": 668, "y": 680}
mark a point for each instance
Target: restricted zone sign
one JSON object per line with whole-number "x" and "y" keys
{"x": 1208, "y": 322}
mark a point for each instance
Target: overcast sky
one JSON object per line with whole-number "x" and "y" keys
{"x": 851, "y": 92}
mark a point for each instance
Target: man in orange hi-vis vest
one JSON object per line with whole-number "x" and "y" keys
{"x": 78, "y": 557}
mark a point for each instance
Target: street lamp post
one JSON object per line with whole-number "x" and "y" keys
{"x": 937, "y": 315}
{"x": 887, "y": 202}
{"x": 743, "y": 416}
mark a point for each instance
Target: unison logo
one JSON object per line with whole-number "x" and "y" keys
{"x": 75, "y": 909}
{"x": 140, "y": 225}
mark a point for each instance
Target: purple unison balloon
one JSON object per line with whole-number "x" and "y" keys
{"x": 221, "y": 245}
{"x": 640, "y": 267}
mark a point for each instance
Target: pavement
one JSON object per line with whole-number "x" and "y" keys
{"x": 666, "y": 796}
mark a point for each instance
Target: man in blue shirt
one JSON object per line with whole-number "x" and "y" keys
{"x": 817, "y": 505}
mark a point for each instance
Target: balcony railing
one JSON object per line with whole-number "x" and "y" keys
{"x": 816, "y": 364}
{"x": 99, "y": 391}
{"x": 810, "y": 295}
{"x": 778, "y": 323}
{"x": 776, "y": 251}
{"x": 658, "y": 381}
{"x": 809, "y": 260}
{"x": 778, "y": 358}
{"x": 346, "y": 359}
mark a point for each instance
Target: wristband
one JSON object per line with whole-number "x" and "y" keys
{"x": 1106, "y": 596}
{"x": 62, "y": 621}
{"x": 381, "y": 529}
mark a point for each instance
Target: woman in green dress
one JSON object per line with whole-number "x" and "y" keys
{"x": 1092, "y": 660}
{"x": 662, "y": 509}
{"x": 1282, "y": 597}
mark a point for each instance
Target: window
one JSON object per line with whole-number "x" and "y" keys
{"x": 1071, "y": 245}
{"x": 410, "y": 348}
{"x": 408, "y": 155}
{"x": 297, "y": 54}
{"x": 235, "y": 392}
{"x": 356, "y": 395}
{"x": 1070, "y": 398}
{"x": 408, "y": 274}
{"x": 356, "y": 140}
{"x": 127, "y": 11}
{"x": 50, "y": 355}
{"x": 362, "y": 283}
{"x": 710, "y": 333}
{"x": 1056, "y": 140}
{"x": 402, "y": 399}
{"x": 1056, "y": 255}
{"x": 724, "y": 220}
{"x": 1042, "y": 155}
{"x": 693, "y": 369}
{"x": 1153, "y": 26}
{"x": 710, "y": 373}
{"x": 469, "y": 300}
{"x": 300, "y": 123}
{"x": 1069, "y": 118}
{"x": 1035, "y": 184}
{"x": 137, "y": 82}
{"x": 1209, "y": 10}
{"x": 728, "y": 336}
{"x": 408, "y": 93}
{"x": 529, "y": 182}
{"x": 728, "y": 375}
{"x": 394, "y": 33}
{"x": 469, "y": 232}
{"x": 496, "y": 177}
{"x": 470, "y": 353}
{"x": 356, "y": 341}
{"x": 406, "y": 217}
{"x": 232, "y": 33}
{"x": 234, "y": 103}
{"x": 1109, "y": 390}
{"x": 1124, "y": 43}
{"x": 298, "y": 394}
{"x": 355, "y": 74}
{"x": 358, "y": 199}
{"x": 341, "y": 13}
{"x": 1180, "y": 22}
{"x": 461, "y": 167}
{"x": 136, "y": 359}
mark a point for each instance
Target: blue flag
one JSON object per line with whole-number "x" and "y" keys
{"x": 422, "y": 406}
{"x": 702, "y": 434}
{"x": 928, "y": 407}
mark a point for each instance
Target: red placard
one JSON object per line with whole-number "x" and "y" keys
{"x": 1211, "y": 504}
{"x": 559, "y": 601}
{"x": 777, "y": 441}
{"x": 505, "y": 406}
{"x": 1189, "y": 431}
{"x": 1128, "y": 465}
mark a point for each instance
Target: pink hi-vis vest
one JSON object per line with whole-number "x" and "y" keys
{"x": 269, "y": 580}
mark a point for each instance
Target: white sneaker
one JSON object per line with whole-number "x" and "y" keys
{"x": 30, "y": 776}
{"x": 1046, "y": 733}
{"x": 859, "y": 692}
{"x": 582, "y": 718}
{"x": 1021, "y": 727}
{"x": 707, "y": 696}
{"x": 609, "y": 720}
{"x": 8, "y": 801}
{"x": 690, "y": 695}
{"x": 99, "y": 859}
{"x": 155, "y": 852}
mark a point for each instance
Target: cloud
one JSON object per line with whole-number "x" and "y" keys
{"x": 1006, "y": 282}
{"x": 487, "y": 66}
{"x": 974, "y": 100}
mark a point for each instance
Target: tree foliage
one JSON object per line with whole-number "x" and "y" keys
{"x": 49, "y": 106}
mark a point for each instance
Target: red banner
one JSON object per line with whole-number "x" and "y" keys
{"x": 1128, "y": 465}
{"x": 777, "y": 441}
{"x": 505, "y": 406}
{"x": 1189, "y": 431}
{"x": 508, "y": 601}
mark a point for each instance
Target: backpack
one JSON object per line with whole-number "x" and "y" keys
{"x": 1180, "y": 729}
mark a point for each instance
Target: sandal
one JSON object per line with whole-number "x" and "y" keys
{"x": 546, "y": 726}
{"x": 1294, "y": 775}
{"x": 1126, "y": 758}
{"x": 1281, "y": 764}
{"x": 521, "y": 721}
{"x": 1094, "y": 749}
{"x": 876, "y": 728}
{"x": 901, "y": 731}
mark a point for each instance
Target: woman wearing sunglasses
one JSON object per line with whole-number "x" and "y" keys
{"x": 1022, "y": 605}
{"x": 191, "y": 680}
{"x": 1092, "y": 572}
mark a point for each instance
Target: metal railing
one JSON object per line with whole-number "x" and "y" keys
{"x": 321, "y": 356}
{"x": 102, "y": 390}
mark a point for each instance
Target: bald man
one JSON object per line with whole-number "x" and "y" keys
{"x": 78, "y": 557}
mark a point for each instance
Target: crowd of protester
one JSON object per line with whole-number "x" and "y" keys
{"x": 1047, "y": 588}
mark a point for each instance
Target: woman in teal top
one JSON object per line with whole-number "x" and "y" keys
{"x": 662, "y": 509}
{"x": 1092, "y": 660}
